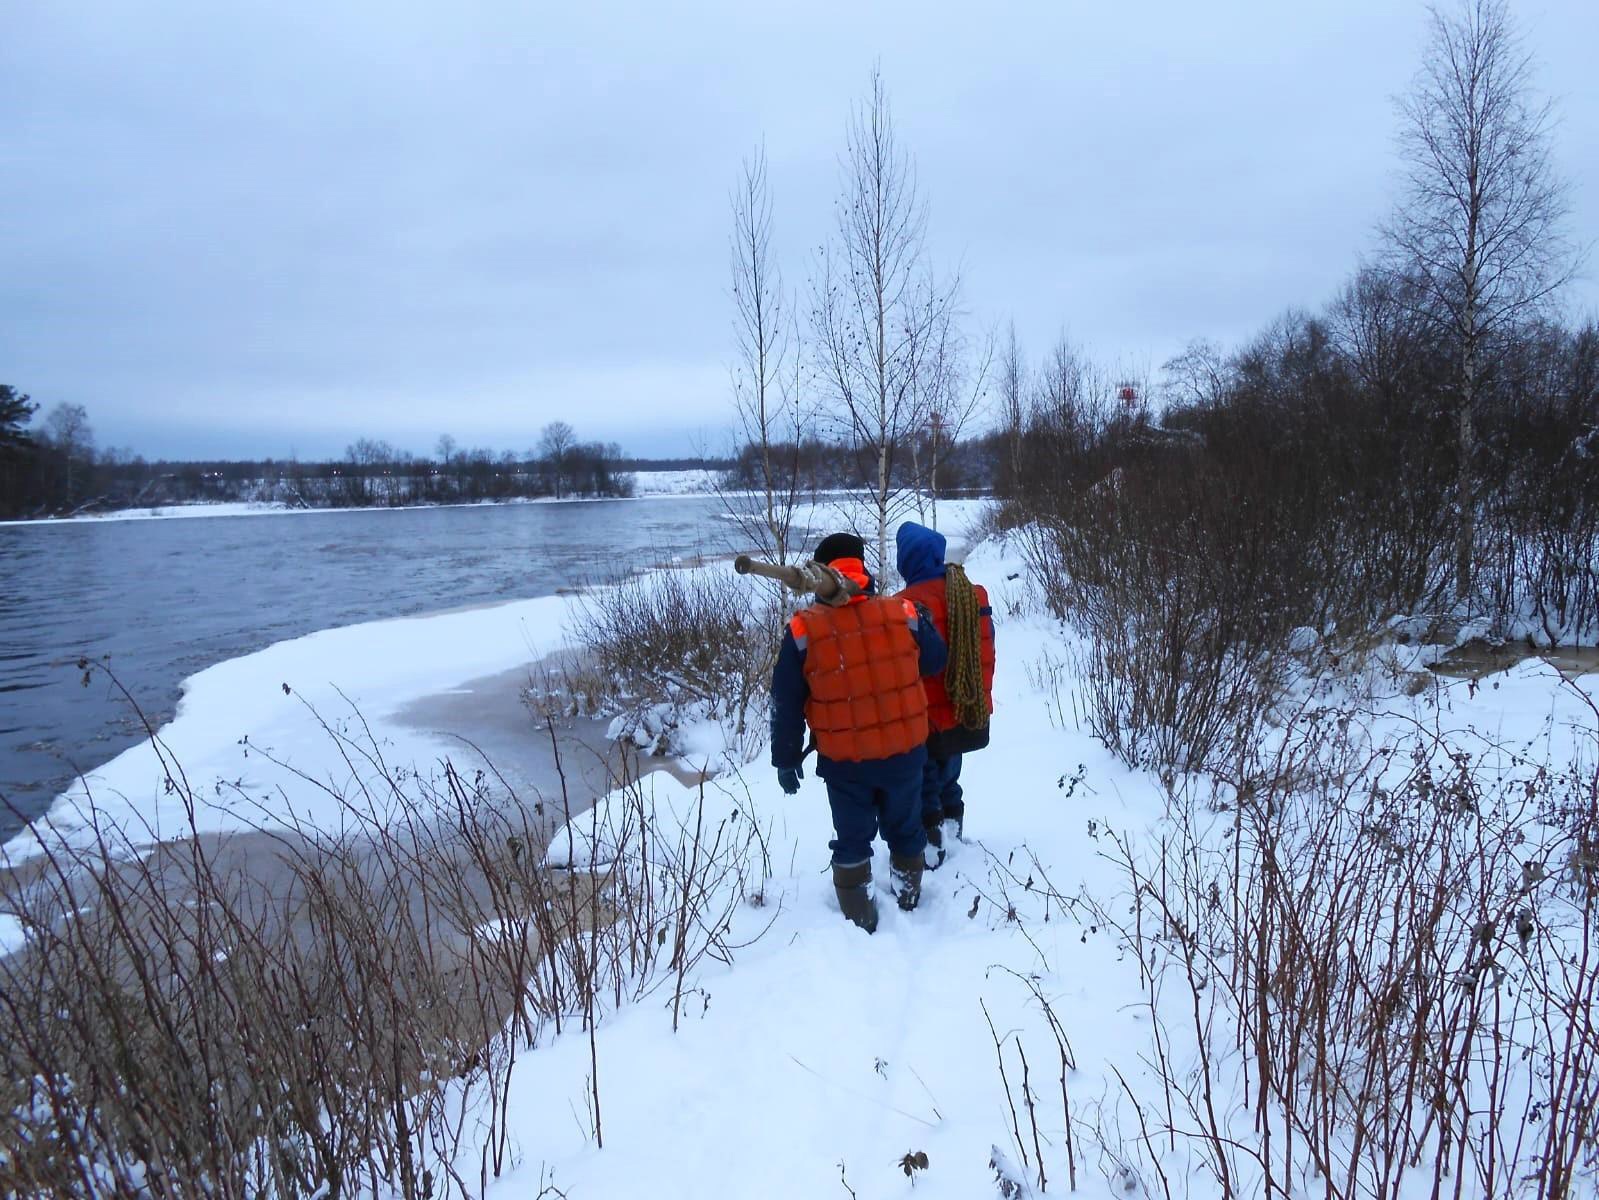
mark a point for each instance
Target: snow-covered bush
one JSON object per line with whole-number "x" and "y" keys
{"x": 679, "y": 648}
{"x": 1372, "y": 964}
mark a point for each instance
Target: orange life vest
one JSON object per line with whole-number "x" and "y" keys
{"x": 863, "y": 669}
{"x": 930, "y": 595}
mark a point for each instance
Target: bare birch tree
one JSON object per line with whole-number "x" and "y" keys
{"x": 66, "y": 427}
{"x": 1012, "y": 381}
{"x": 949, "y": 382}
{"x": 1479, "y": 226}
{"x": 768, "y": 398}
{"x": 1071, "y": 398}
{"x": 876, "y": 309}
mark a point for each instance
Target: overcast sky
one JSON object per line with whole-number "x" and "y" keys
{"x": 242, "y": 228}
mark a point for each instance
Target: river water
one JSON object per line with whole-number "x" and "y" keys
{"x": 163, "y": 599}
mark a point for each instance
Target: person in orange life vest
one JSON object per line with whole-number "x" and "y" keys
{"x": 854, "y": 674}
{"x": 920, "y": 561}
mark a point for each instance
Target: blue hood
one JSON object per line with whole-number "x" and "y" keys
{"x": 921, "y": 553}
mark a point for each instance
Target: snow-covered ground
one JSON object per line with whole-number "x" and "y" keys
{"x": 11, "y": 933}
{"x": 820, "y": 1058}
{"x": 824, "y": 1056}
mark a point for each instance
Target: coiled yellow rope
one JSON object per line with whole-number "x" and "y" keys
{"x": 963, "y": 677}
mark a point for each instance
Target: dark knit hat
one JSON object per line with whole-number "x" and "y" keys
{"x": 840, "y": 545}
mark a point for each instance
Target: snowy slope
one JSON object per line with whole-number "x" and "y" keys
{"x": 823, "y": 1056}
{"x": 824, "y": 1051}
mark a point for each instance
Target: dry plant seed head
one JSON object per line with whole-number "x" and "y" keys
{"x": 912, "y": 1162}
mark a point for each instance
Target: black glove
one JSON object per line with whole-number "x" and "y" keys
{"x": 788, "y": 779}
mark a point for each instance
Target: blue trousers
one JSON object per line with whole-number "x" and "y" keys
{"x": 864, "y": 807}
{"x": 941, "y": 789}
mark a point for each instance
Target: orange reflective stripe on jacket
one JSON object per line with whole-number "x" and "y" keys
{"x": 930, "y": 594}
{"x": 862, "y": 667}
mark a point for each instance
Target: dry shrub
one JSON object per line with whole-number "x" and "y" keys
{"x": 1184, "y": 553}
{"x": 1371, "y": 971}
{"x": 1539, "y": 535}
{"x": 295, "y": 1011}
{"x": 1377, "y": 970}
{"x": 262, "y": 1015}
{"x": 1307, "y": 481}
{"x": 1182, "y": 607}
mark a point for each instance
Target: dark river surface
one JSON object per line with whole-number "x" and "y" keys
{"x": 166, "y": 598}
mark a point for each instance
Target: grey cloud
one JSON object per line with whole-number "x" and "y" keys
{"x": 236, "y": 228}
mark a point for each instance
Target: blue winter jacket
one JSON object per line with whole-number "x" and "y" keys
{"x": 920, "y": 557}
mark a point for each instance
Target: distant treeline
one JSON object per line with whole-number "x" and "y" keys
{"x": 820, "y": 465}
{"x": 52, "y": 467}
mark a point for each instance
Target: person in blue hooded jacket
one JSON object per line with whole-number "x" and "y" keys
{"x": 960, "y": 699}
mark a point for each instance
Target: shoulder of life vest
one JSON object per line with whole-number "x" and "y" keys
{"x": 910, "y": 613}
{"x": 796, "y": 629}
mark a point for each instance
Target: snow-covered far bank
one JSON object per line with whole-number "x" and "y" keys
{"x": 961, "y": 521}
{"x": 695, "y": 482}
{"x": 250, "y": 508}
{"x": 648, "y": 485}
{"x": 221, "y": 508}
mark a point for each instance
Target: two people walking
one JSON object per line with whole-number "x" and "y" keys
{"x": 894, "y": 689}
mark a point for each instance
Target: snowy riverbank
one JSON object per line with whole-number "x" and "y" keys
{"x": 398, "y": 676}
{"x": 233, "y": 715}
{"x": 1011, "y": 1015}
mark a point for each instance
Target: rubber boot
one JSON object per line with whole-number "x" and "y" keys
{"x": 933, "y": 822}
{"x": 907, "y": 876}
{"x": 854, "y": 887}
{"x": 955, "y": 819}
